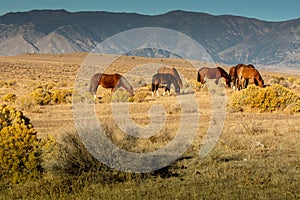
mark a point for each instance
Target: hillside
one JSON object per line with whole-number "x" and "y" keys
{"x": 228, "y": 39}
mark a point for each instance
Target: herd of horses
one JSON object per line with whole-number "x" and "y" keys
{"x": 239, "y": 77}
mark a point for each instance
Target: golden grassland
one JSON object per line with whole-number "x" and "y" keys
{"x": 256, "y": 157}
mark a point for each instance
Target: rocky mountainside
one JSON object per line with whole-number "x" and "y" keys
{"x": 228, "y": 39}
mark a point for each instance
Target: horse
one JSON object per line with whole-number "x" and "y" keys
{"x": 173, "y": 71}
{"x": 213, "y": 73}
{"x": 248, "y": 74}
{"x": 233, "y": 74}
{"x": 168, "y": 79}
{"x": 113, "y": 81}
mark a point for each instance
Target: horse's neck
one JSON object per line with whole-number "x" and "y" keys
{"x": 125, "y": 83}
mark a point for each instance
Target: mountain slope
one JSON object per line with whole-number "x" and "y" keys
{"x": 228, "y": 39}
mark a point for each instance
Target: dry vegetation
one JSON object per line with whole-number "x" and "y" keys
{"x": 256, "y": 157}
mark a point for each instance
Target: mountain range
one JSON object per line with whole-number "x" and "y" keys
{"x": 228, "y": 39}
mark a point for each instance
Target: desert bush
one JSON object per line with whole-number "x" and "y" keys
{"x": 277, "y": 79}
{"x": 26, "y": 102}
{"x": 8, "y": 83}
{"x": 41, "y": 95}
{"x": 138, "y": 97}
{"x": 2, "y": 83}
{"x": 297, "y": 81}
{"x": 196, "y": 85}
{"x": 271, "y": 98}
{"x": 291, "y": 79}
{"x": 120, "y": 96}
{"x": 9, "y": 98}
{"x": 65, "y": 154}
{"x": 11, "y": 82}
{"x": 45, "y": 94}
{"x": 19, "y": 146}
{"x": 61, "y": 96}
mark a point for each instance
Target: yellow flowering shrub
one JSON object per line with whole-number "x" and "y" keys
{"x": 19, "y": 146}
{"x": 10, "y": 97}
{"x": 275, "y": 97}
{"x": 45, "y": 94}
{"x": 61, "y": 96}
{"x": 41, "y": 95}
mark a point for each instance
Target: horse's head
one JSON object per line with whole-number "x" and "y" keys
{"x": 228, "y": 81}
{"x": 131, "y": 91}
{"x": 177, "y": 88}
{"x": 126, "y": 85}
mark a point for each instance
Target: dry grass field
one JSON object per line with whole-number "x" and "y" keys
{"x": 256, "y": 157}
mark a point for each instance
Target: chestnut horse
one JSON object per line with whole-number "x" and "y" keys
{"x": 213, "y": 73}
{"x": 113, "y": 81}
{"x": 233, "y": 74}
{"x": 248, "y": 74}
{"x": 173, "y": 71}
{"x": 168, "y": 79}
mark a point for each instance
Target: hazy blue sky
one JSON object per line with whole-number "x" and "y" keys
{"x": 270, "y": 10}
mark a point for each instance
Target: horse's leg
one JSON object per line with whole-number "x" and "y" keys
{"x": 239, "y": 84}
{"x": 152, "y": 89}
{"x": 245, "y": 83}
{"x": 156, "y": 88}
{"x": 168, "y": 89}
{"x": 217, "y": 81}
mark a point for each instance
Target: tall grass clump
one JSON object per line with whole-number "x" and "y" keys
{"x": 19, "y": 147}
{"x": 273, "y": 98}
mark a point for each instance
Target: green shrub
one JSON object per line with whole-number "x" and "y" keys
{"x": 19, "y": 146}
{"x": 275, "y": 97}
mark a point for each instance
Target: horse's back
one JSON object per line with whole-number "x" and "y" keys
{"x": 173, "y": 71}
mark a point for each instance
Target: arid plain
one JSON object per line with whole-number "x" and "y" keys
{"x": 257, "y": 155}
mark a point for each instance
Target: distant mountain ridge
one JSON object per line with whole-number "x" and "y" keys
{"x": 228, "y": 39}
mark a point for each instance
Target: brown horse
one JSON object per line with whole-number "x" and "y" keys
{"x": 213, "y": 73}
{"x": 248, "y": 74}
{"x": 168, "y": 79}
{"x": 173, "y": 71}
{"x": 233, "y": 75}
{"x": 113, "y": 81}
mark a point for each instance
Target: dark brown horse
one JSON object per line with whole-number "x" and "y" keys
{"x": 173, "y": 71}
{"x": 233, "y": 75}
{"x": 168, "y": 79}
{"x": 113, "y": 81}
{"x": 248, "y": 74}
{"x": 213, "y": 73}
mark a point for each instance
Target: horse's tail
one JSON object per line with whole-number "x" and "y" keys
{"x": 94, "y": 82}
{"x": 198, "y": 77}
